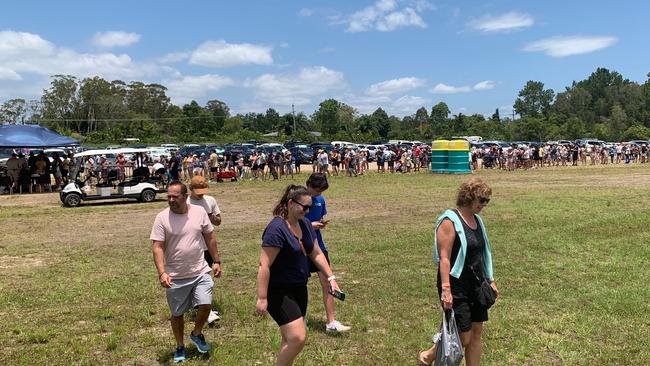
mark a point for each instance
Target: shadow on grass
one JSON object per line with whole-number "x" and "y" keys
{"x": 167, "y": 357}
{"x": 318, "y": 325}
{"x": 116, "y": 202}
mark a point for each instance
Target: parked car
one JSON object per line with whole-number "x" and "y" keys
{"x": 303, "y": 154}
{"x": 322, "y": 145}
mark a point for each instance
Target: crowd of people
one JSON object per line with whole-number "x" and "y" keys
{"x": 185, "y": 254}
{"x": 547, "y": 155}
{"x": 38, "y": 170}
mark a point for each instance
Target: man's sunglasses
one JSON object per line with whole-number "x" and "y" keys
{"x": 304, "y": 207}
{"x": 484, "y": 201}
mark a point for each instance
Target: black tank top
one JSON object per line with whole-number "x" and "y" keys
{"x": 463, "y": 287}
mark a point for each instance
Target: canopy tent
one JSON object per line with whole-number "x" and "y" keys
{"x": 32, "y": 136}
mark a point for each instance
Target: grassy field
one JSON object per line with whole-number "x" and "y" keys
{"x": 78, "y": 285}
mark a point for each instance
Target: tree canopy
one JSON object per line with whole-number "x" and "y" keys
{"x": 605, "y": 105}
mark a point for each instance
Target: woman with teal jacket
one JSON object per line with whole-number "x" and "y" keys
{"x": 462, "y": 253}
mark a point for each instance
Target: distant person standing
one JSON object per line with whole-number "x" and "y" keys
{"x": 173, "y": 166}
{"x": 323, "y": 162}
{"x": 178, "y": 236}
{"x": 199, "y": 187}
{"x": 288, "y": 242}
{"x": 316, "y": 185}
{"x": 214, "y": 164}
{"x": 13, "y": 169}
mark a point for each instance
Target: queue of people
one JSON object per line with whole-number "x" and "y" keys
{"x": 552, "y": 155}
{"x": 185, "y": 253}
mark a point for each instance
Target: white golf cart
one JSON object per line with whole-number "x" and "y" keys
{"x": 139, "y": 187}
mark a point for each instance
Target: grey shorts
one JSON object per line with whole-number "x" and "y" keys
{"x": 187, "y": 293}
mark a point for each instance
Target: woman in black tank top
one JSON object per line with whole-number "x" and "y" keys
{"x": 458, "y": 293}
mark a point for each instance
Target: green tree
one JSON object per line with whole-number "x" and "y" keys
{"x": 533, "y": 99}
{"x": 618, "y": 121}
{"x": 381, "y": 121}
{"x": 636, "y": 132}
{"x": 439, "y": 119}
{"x": 272, "y": 120}
{"x": 220, "y": 112}
{"x": 14, "y": 111}
{"x": 60, "y": 101}
{"x": 327, "y": 116}
{"x": 496, "y": 116}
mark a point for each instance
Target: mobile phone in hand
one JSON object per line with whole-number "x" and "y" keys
{"x": 337, "y": 294}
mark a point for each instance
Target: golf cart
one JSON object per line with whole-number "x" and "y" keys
{"x": 141, "y": 186}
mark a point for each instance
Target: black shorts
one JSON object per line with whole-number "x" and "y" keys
{"x": 466, "y": 309}
{"x": 287, "y": 303}
{"x": 467, "y": 313}
{"x": 312, "y": 265}
{"x": 214, "y": 169}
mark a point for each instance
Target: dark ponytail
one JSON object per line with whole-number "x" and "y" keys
{"x": 292, "y": 192}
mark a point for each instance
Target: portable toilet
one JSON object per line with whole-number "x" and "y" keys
{"x": 439, "y": 156}
{"x": 458, "y": 157}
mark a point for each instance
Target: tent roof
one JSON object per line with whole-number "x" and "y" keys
{"x": 32, "y": 136}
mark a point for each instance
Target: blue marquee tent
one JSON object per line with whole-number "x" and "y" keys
{"x": 32, "y": 136}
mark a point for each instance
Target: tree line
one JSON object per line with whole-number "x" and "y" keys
{"x": 604, "y": 106}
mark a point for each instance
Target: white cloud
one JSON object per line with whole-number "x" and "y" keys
{"x": 175, "y": 57}
{"x": 408, "y": 104}
{"x": 485, "y": 85}
{"x": 394, "y": 86}
{"x": 184, "y": 89}
{"x": 9, "y": 74}
{"x": 448, "y": 89}
{"x": 222, "y": 54}
{"x": 27, "y": 53}
{"x": 327, "y": 50}
{"x": 13, "y": 44}
{"x": 570, "y": 45}
{"x": 305, "y": 12}
{"x": 297, "y": 89}
{"x": 385, "y": 16}
{"x": 115, "y": 39}
{"x": 503, "y": 23}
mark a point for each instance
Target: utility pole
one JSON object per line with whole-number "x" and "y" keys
{"x": 293, "y": 113}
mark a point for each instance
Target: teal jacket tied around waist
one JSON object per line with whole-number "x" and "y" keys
{"x": 457, "y": 269}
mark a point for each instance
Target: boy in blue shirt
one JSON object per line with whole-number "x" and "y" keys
{"x": 316, "y": 185}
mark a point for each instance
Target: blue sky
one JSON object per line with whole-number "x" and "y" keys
{"x": 396, "y": 54}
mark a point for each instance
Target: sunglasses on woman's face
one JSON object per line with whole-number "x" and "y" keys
{"x": 484, "y": 201}
{"x": 304, "y": 207}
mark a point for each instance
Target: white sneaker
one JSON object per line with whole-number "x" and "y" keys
{"x": 214, "y": 316}
{"x": 337, "y": 327}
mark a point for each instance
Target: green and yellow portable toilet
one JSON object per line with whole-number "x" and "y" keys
{"x": 458, "y": 157}
{"x": 439, "y": 156}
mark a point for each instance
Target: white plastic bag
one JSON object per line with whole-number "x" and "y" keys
{"x": 449, "y": 350}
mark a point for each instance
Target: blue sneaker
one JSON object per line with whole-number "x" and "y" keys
{"x": 179, "y": 355}
{"x": 199, "y": 341}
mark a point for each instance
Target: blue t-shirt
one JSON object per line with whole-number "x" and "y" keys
{"x": 317, "y": 211}
{"x": 291, "y": 266}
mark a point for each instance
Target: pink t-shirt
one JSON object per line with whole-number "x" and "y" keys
{"x": 183, "y": 238}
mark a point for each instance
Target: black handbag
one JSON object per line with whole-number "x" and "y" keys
{"x": 483, "y": 292}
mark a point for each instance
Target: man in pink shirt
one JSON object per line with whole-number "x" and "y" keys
{"x": 178, "y": 235}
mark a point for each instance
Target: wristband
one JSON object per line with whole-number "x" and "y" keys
{"x": 445, "y": 285}
{"x": 159, "y": 276}
{"x": 331, "y": 278}
{"x": 217, "y": 262}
